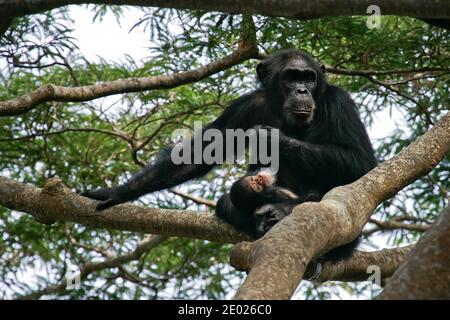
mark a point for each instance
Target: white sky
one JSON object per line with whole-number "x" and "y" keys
{"x": 107, "y": 39}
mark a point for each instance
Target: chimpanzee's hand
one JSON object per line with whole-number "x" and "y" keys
{"x": 108, "y": 197}
{"x": 263, "y": 130}
{"x": 268, "y": 215}
{"x": 266, "y": 133}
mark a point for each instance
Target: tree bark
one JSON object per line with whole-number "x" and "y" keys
{"x": 355, "y": 268}
{"x": 297, "y": 9}
{"x": 425, "y": 274}
{"x": 55, "y": 202}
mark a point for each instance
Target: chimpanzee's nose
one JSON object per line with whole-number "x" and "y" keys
{"x": 302, "y": 91}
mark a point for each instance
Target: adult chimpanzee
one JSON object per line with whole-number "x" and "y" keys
{"x": 322, "y": 143}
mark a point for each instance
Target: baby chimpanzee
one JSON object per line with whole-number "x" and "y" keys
{"x": 250, "y": 192}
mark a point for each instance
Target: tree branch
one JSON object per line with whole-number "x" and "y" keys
{"x": 395, "y": 225}
{"x": 425, "y": 274}
{"x": 365, "y": 73}
{"x": 198, "y": 200}
{"x": 296, "y": 9}
{"x": 144, "y": 246}
{"x": 279, "y": 259}
{"x": 352, "y": 269}
{"x": 55, "y": 202}
{"x": 356, "y": 267}
{"x": 50, "y": 92}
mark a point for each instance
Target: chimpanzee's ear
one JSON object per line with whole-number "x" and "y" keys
{"x": 262, "y": 71}
{"x": 322, "y": 67}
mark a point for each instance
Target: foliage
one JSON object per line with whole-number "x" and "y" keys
{"x": 84, "y": 144}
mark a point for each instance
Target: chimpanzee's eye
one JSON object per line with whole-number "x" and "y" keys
{"x": 291, "y": 76}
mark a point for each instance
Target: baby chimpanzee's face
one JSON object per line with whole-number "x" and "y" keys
{"x": 260, "y": 181}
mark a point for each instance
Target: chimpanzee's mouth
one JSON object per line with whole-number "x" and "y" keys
{"x": 301, "y": 112}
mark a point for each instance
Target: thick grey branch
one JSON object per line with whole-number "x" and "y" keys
{"x": 297, "y": 9}
{"x": 425, "y": 274}
{"x": 356, "y": 267}
{"x": 352, "y": 269}
{"x": 55, "y": 202}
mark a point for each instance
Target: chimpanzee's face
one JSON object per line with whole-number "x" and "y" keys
{"x": 259, "y": 182}
{"x": 294, "y": 82}
{"x": 298, "y": 81}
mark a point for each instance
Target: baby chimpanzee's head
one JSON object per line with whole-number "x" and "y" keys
{"x": 249, "y": 192}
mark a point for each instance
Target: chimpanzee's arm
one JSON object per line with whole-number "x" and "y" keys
{"x": 338, "y": 163}
{"x": 164, "y": 173}
{"x": 157, "y": 176}
{"x": 242, "y": 221}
